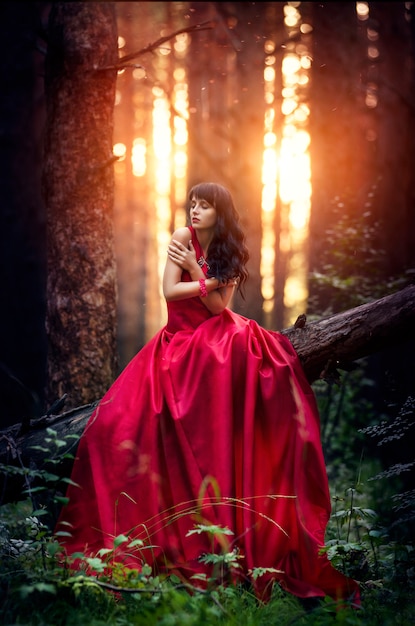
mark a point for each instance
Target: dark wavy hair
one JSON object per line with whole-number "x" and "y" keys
{"x": 228, "y": 253}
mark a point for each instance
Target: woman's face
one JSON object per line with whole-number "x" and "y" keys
{"x": 202, "y": 214}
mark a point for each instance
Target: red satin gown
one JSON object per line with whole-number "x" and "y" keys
{"x": 212, "y": 422}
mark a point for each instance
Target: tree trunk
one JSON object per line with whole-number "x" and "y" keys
{"x": 323, "y": 346}
{"x": 339, "y": 147}
{"x": 78, "y": 187}
{"x": 395, "y": 115}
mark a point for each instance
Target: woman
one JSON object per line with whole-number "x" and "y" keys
{"x": 209, "y": 439}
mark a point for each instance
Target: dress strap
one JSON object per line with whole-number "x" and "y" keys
{"x": 199, "y": 251}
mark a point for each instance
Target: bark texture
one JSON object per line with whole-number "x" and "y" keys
{"x": 323, "y": 346}
{"x": 78, "y": 188}
{"x": 331, "y": 342}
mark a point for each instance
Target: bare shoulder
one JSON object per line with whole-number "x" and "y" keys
{"x": 182, "y": 234}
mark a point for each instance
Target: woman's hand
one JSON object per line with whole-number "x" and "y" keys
{"x": 182, "y": 256}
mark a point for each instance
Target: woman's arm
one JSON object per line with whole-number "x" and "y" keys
{"x": 181, "y": 256}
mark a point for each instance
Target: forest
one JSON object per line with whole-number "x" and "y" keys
{"x": 110, "y": 112}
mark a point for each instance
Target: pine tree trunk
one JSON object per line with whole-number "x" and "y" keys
{"x": 78, "y": 187}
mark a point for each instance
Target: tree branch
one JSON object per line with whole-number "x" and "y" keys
{"x": 124, "y": 61}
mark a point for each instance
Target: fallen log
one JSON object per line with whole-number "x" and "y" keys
{"x": 355, "y": 333}
{"x": 324, "y": 346}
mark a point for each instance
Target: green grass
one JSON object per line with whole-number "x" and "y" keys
{"x": 36, "y": 589}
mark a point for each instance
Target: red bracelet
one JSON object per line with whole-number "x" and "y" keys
{"x": 202, "y": 288}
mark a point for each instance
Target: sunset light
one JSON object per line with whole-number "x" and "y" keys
{"x": 138, "y": 156}
{"x": 120, "y": 151}
{"x": 162, "y": 147}
{"x": 269, "y": 182}
{"x": 170, "y": 138}
{"x": 286, "y": 174}
{"x": 286, "y": 171}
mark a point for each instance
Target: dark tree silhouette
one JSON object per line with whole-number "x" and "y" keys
{"x": 22, "y": 217}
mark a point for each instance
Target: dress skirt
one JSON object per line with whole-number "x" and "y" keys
{"x": 208, "y": 442}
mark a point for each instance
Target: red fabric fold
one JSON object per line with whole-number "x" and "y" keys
{"x": 214, "y": 421}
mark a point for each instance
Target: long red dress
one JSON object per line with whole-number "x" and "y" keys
{"x": 212, "y": 422}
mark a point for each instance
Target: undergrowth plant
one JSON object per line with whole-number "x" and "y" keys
{"x": 371, "y": 535}
{"x": 41, "y": 585}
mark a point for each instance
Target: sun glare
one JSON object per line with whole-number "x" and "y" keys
{"x": 362, "y": 10}
{"x": 138, "y": 157}
{"x": 286, "y": 173}
{"x": 286, "y": 179}
{"x": 119, "y": 150}
{"x": 170, "y": 137}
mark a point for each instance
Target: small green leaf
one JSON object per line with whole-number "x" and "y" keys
{"x": 53, "y": 548}
{"x": 211, "y": 529}
{"x": 96, "y": 564}
{"x": 104, "y": 551}
{"x": 136, "y": 542}
{"x": 119, "y": 540}
{"x": 62, "y": 500}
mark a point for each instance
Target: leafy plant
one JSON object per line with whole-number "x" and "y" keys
{"x": 352, "y": 240}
